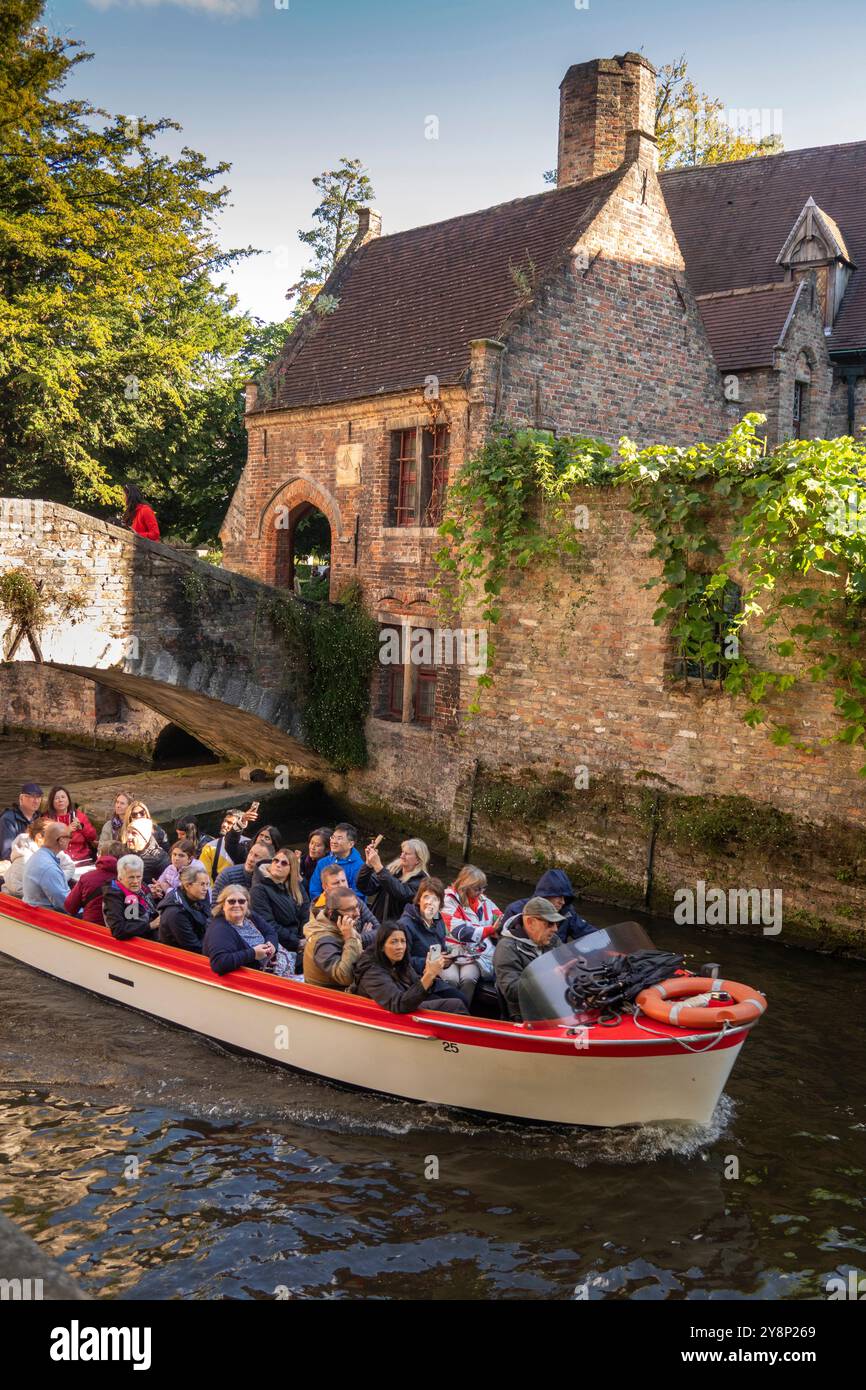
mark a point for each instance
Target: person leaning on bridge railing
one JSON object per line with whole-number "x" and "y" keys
{"x": 139, "y": 517}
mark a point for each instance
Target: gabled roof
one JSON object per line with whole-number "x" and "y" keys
{"x": 828, "y": 230}
{"x": 411, "y": 303}
{"x": 744, "y": 326}
{"x": 731, "y": 220}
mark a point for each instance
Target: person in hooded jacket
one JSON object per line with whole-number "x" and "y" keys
{"x": 423, "y": 923}
{"x": 277, "y": 897}
{"x": 385, "y": 973}
{"x": 555, "y": 886}
{"x": 139, "y": 837}
{"x": 389, "y": 890}
{"x": 85, "y": 899}
{"x": 185, "y": 910}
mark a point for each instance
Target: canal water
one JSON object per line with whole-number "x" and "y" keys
{"x": 150, "y": 1164}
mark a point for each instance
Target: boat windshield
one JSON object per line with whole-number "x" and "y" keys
{"x": 543, "y": 987}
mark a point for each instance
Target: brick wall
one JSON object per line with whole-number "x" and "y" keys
{"x": 38, "y": 699}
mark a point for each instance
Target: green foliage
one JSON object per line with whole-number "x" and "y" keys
{"x": 795, "y": 522}
{"x": 337, "y": 645}
{"x": 510, "y": 506}
{"x": 121, "y": 356}
{"x": 23, "y": 603}
{"x": 523, "y": 800}
{"x": 193, "y": 589}
{"x": 727, "y": 823}
{"x": 345, "y": 190}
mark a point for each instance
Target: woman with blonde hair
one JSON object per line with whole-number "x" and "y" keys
{"x": 472, "y": 921}
{"x": 233, "y": 939}
{"x": 390, "y": 890}
{"x": 110, "y": 832}
{"x": 138, "y": 835}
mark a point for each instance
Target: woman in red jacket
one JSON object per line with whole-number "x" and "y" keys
{"x": 82, "y": 846}
{"x": 138, "y": 516}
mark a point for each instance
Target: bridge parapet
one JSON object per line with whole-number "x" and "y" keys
{"x": 185, "y": 637}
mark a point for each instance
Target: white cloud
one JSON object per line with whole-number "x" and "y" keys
{"x": 232, "y": 9}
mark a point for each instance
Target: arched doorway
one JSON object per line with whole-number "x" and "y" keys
{"x": 303, "y": 552}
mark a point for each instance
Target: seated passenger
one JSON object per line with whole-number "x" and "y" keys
{"x": 23, "y": 847}
{"x": 85, "y": 899}
{"x": 242, "y": 873}
{"x": 385, "y": 973}
{"x": 128, "y": 910}
{"x": 423, "y": 924}
{"x": 181, "y": 856}
{"x": 111, "y": 830}
{"x": 472, "y": 919}
{"x": 232, "y": 939}
{"x": 521, "y": 944}
{"x": 139, "y": 837}
{"x": 332, "y": 944}
{"x": 185, "y": 911}
{"x": 187, "y": 829}
{"x": 389, "y": 890}
{"x": 555, "y": 886}
{"x": 317, "y": 848}
{"x": 343, "y": 853}
{"x": 333, "y": 877}
{"x": 278, "y": 898}
{"x": 16, "y": 819}
{"x": 44, "y": 883}
{"x": 213, "y": 852}
{"x": 60, "y": 807}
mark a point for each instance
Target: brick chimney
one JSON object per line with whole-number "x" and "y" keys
{"x": 601, "y": 103}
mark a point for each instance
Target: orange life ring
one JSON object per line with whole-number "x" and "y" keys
{"x": 669, "y": 1002}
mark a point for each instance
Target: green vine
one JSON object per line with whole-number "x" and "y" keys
{"x": 510, "y": 506}
{"x": 193, "y": 588}
{"x": 24, "y": 604}
{"x": 787, "y": 530}
{"x": 337, "y": 648}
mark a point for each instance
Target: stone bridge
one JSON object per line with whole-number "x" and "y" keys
{"x": 180, "y": 635}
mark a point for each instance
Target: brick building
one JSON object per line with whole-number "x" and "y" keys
{"x": 619, "y": 302}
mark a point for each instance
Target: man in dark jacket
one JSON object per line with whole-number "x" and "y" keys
{"x": 555, "y": 886}
{"x": 15, "y": 819}
{"x": 519, "y": 945}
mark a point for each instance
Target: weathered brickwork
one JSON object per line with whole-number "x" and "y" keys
{"x": 802, "y": 357}
{"x": 37, "y": 699}
{"x": 619, "y": 347}
{"x": 162, "y": 628}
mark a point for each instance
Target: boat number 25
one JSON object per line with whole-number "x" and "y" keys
{"x": 450, "y": 1047}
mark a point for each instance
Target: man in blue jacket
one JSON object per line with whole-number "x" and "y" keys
{"x": 343, "y": 852}
{"x": 44, "y": 881}
{"x": 15, "y": 819}
{"x": 555, "y": 886}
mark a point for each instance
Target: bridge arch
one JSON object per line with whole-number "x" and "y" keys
{"x": 183, "y": 637}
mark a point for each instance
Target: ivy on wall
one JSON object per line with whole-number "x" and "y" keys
{"x": 787, "y": 527}
{"x": 336, "y": 647}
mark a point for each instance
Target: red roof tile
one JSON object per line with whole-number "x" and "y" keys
{"x": 732, "y": 220}
{"x": 411, "y": 303}
{"x": 744, "y": 327}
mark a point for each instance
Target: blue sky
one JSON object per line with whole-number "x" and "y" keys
{"x": 282, "y": 93}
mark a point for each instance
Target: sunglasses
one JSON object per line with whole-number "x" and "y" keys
{"x": 235, "y": 902}
{"x": 283, "y": 863}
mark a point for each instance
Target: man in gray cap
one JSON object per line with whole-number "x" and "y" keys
{"x": 520, "y": 944}
{"x": 15, "y": 819}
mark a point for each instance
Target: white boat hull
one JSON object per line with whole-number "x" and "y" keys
{"x": 474, "y": 1064}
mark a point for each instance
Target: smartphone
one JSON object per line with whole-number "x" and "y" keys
{"x": 434, "y": 953}
{"x": 255, "y": 806}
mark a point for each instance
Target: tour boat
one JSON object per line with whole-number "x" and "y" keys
{"x": 557, "y": 1068}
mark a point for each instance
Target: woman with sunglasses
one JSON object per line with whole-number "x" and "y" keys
{"x": 278, "y": 898}
{"x": 232, "y": 939}
{"x": 138, "y": 836}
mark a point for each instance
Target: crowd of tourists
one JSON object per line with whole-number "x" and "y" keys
{"x": 327, "y": 913}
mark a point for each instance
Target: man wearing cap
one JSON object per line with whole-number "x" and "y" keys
{"x": 520, "y": 944}
{"x": 15, "y": 819}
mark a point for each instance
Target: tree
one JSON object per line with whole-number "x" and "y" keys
{"x": 345, "y": 190}
{"x": 112, "y": 329}
{"x": 691, "y": 128}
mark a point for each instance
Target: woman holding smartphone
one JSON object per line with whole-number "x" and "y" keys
{"x": 385, "y": 973}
